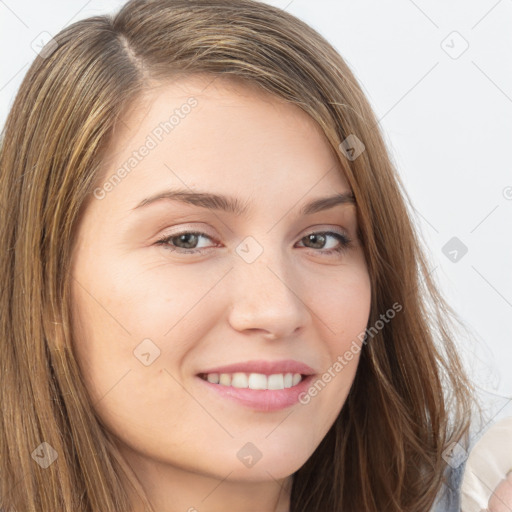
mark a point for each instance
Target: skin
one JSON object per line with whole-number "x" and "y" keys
{"x": 501, "y": 499}
{"x": 201, "y": 311}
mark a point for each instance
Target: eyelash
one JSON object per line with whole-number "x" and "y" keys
{"x": 345, "y": 242}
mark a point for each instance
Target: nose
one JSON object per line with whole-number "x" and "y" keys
{"x": 266, "y": 299}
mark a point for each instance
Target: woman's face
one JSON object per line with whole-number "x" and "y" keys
{"x": 152, "y": 317}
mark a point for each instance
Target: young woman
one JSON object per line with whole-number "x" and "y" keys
{"x": 214, "y": 297}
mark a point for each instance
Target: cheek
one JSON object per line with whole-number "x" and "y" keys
{"x": 119, "y": 302}
{"x": 341, "y": 308}
{"x": 129, "y": 371}
{"x": 341, "y": 304}
{"x": 154, "y": 299}
{"x": 128, "y": 312}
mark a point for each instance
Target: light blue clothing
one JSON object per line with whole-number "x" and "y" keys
{"x": 449, "y": 498}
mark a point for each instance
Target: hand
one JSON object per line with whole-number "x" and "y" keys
{"x": 487, "y": 482}
{"x": 501, "y": 499}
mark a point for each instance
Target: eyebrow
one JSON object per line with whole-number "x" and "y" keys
{"x": 233, "y": 205}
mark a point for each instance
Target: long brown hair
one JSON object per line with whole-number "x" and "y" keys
{"x": 410, "y": 398}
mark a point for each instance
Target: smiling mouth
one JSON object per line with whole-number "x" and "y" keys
{"x": 244, "y": 380}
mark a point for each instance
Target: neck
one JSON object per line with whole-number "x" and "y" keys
{"x": 174, "y": 489}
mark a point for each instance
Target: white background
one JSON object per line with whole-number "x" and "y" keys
{"x": 447, "y": 122}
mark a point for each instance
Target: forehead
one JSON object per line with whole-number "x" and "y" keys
{"x": 222, "y": 135}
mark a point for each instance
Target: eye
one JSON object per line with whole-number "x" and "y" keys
{"x": 187, "y": 242}
{"x": 342, "y": 242}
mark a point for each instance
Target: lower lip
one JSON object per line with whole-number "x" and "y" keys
{"x": 265, "y": 400}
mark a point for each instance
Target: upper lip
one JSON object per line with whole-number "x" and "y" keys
{"x": 264, "y": 367}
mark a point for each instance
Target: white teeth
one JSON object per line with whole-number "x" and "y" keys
{"x": 255, "y": 380}
{"x": 225, "y": 379}
{"x": 276, "y": 381}
{"x": 240, "y": 380}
